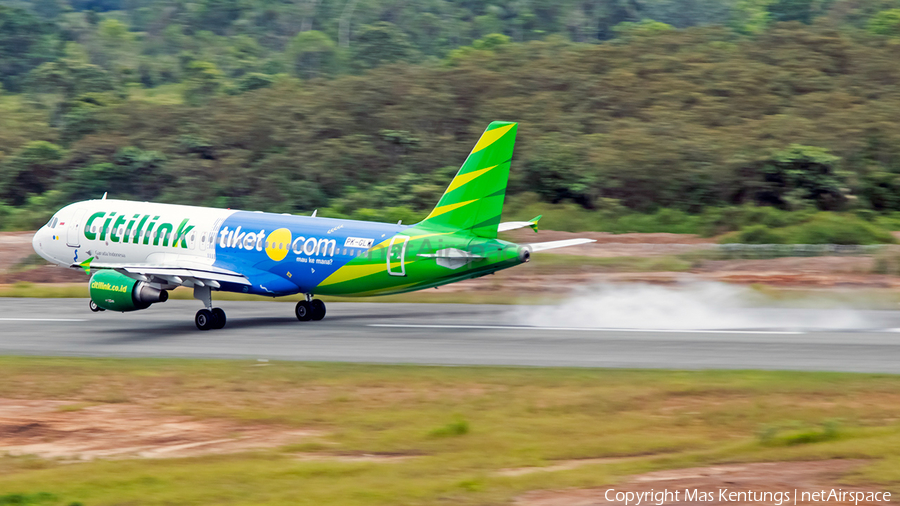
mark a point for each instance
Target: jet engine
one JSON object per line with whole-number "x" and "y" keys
{"x": 117, "y": 292}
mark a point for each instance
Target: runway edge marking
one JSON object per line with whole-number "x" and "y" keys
{"x": 42, "y": 320}
{"x": 583, "y": 329}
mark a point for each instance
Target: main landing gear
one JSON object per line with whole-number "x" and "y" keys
{"x": 310, "y": 309}
{"x": 211, "y": 317}
{"x": 207, "y": 319}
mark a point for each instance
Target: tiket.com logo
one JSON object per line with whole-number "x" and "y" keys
{"x": 276, "y": 244}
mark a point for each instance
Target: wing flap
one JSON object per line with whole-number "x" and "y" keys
{"x": 205, "y": 277}
{"x": 194, "y": 275}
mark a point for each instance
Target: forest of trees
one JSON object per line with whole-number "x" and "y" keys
{"x": 365, "y": 108}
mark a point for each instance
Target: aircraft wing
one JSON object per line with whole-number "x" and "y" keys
{"x": 514, "y": 225}
{"x": 186, "y": 275}
{"x": 541, "y": 246}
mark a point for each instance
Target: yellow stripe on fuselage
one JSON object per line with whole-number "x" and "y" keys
{"x": 350, "y": 272}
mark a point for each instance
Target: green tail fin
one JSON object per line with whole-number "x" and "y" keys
{"x": 474, "y": 199}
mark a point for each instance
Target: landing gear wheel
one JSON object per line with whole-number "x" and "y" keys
{"x": 303, "y": 311}
{"x": 204, "y": 319}
{"x": 218, "y": 318}
{"x": 318, "y": 309}
{"x": 94, "y": 307}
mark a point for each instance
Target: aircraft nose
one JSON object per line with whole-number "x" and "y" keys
{"x": 37, "y": 242}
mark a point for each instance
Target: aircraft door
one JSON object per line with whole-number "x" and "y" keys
{"x": 73, "y": 234}
{"x": 396, "y": 253}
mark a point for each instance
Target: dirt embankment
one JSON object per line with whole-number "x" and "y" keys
{"x": 73, "y": 431}
{"x": 17, "y": 263}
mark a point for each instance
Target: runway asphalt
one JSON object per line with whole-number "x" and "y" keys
{"x": 448, "y": 334}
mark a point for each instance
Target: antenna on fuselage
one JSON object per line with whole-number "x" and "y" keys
{"x": 314, "y": 213}
{"x": 399, "y": 222}
{"x": 104, "y": 196}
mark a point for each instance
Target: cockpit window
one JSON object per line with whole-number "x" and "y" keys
{"x": 52, "y": 222}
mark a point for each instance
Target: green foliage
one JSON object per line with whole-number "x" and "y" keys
{"x": 380, "y": 43}
{"x": 458, "y": 427}
{"x": 204, "y": 79}
{"x": 491, "y": 41}
{"x": 800, "y": 175}
{"x": 30, "y": 171}
{"x": 254, "y": 81}
{"x": 796, "y": 434}
{"x": 751, "y": 16}
{"x": 70, "y": 78}
{"x": 671, "y": 128}
{"x": 312, "y": 54}
{"x": 821, "y": 228}
{"x": 25, "y": 43}
{"x": 794, "y": 10}
{"x": 643, "y": 28}
{"x": 27, "y": 499}
{"x": 828, "y": 228}
{"x": 886, "y": 23}
{"x": 755, "y": 234}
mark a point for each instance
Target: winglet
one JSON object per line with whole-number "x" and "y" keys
{"x": 534, "y": 222}
{"x": 86, "y": 265}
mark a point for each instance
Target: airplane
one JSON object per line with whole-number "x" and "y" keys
{"x": 135, "y": 252}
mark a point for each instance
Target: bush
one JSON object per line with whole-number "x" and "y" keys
{"x": 821, "y": 228}
{"x": 829, "y": 228}
{"x": 754, "y": 234}
{"x": 458, "y": 427}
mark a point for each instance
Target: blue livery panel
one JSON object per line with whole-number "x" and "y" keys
{"x": 284, "y": 255}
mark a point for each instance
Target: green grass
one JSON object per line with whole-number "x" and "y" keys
{"x": 821, "y": 228}
{"x": 462, "y": 424}
{"x": 165, "y": 94}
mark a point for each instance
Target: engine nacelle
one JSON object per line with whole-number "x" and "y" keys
{"x": 117, "y": 292}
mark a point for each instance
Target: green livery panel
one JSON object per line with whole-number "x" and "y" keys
{"x": 117, "y": 292}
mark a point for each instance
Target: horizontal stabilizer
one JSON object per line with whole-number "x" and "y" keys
{"x": 515, "y": 225}
{"x": 541, "y": 246}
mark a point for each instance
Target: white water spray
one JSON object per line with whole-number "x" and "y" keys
{"x": 691, "y": 306}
